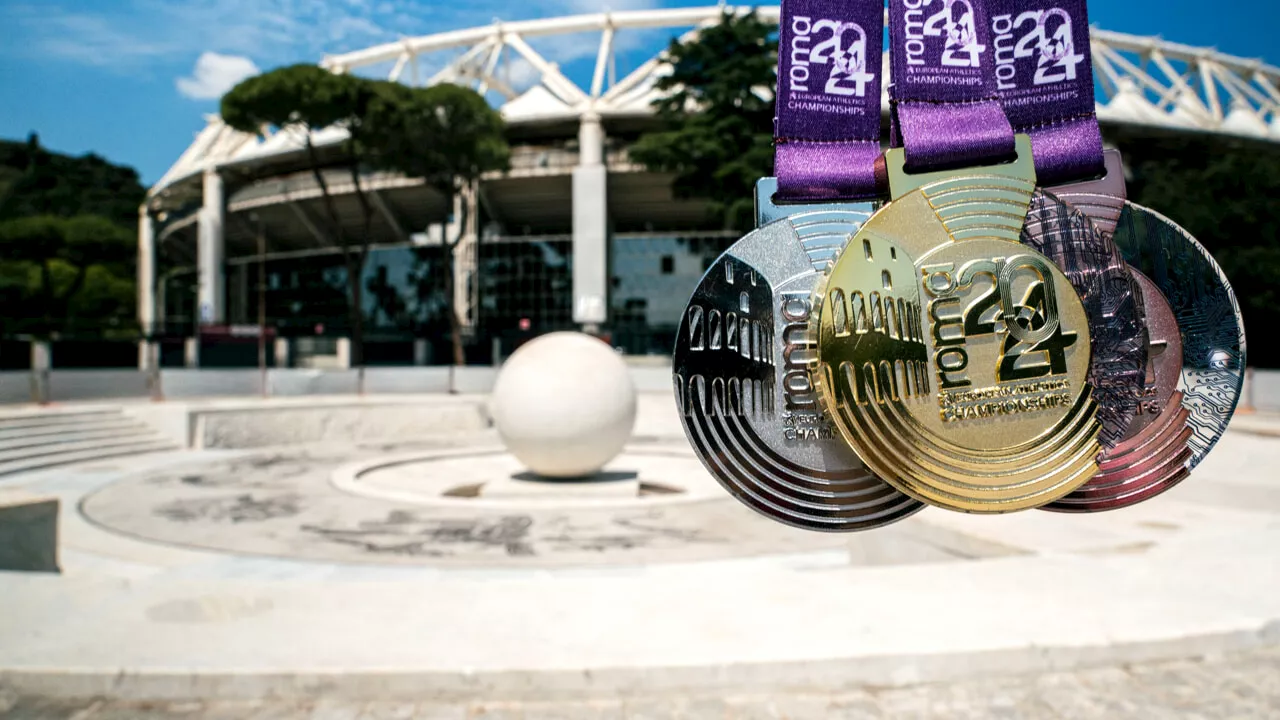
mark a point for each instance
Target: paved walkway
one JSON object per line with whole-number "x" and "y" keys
{"x": 1266, "y": 424}
{"x": 1239, "y": 686}
{"x": 1193, "y": 572}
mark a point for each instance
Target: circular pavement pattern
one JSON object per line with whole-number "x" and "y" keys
{"x": 286, "y": 503}
{"x": 494, "y": 479}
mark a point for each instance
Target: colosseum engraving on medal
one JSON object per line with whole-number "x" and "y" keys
{"x": 1008, "y": 422}
{"x": 752, "y": 414}
{"x": 729, "y": 333}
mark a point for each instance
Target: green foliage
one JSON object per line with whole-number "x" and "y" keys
{"x": 63, "y": 275}
{"x": 310, "y": 98}
{"x": 106, "y": 296}
{"x": 68, "y": 248}
{"x": 717, "y": 111}
{"x": 446, "y": 134}
{"x": 34, "y": 181}
{"x": 32, "y": 239}
{"x": 305, "y": 96}
{"x": 1223, "y": 193}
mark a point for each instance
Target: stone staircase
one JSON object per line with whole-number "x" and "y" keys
{"x": 36, "y": 439}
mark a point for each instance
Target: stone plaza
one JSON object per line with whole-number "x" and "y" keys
{"x": 383, "y": 556}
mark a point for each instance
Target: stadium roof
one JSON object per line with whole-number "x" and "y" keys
{"x": 1143, "y": 81}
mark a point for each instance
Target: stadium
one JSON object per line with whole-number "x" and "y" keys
{"x": 574, "y": 234}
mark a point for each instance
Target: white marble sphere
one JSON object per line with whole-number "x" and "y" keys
{"x": 564, "y": 404}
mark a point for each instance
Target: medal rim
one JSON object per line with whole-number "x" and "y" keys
{"x": 1079, "y": 444}
{"x": 764, "y": 503}
{"x": 1241, "y": 336}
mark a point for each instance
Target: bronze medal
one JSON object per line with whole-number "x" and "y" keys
{"x": 1154, "y": 454}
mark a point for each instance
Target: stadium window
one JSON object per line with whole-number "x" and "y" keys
{"x": 668, "y": 264}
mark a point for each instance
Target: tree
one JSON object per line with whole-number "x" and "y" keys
{"x": 57, "y": 271}
{"x": 716, "y": 105}
{"x": 34, "y": 181}
{"x": 448, "y": 136}
{"x": 1223, "y": 192}
{"x": 67, "y": 241}
{"x": 307, "y": 98}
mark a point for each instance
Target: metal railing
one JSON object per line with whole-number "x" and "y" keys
{"x": 123, "y": 385}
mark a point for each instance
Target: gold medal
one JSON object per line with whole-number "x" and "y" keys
{"x": 953, "y": 359}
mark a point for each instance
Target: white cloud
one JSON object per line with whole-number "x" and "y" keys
{"x": 130, "y": 34}
{"x": 215, "y": 74}
{"x": 520, "y": 74}
{"x": 595, "y": 6}
{"x": 84, "y": 38}
{"x": 354, "y": 27}
{"x": 155, "y": 35}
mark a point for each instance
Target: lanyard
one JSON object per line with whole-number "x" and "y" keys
{"x": 827, "y": 125}
{"x": 1044, "y": 76}
{"x": 945, "y": 110}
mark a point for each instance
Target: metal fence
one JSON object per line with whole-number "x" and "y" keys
{"x": 56, "y": 386}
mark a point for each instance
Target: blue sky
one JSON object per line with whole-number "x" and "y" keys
{"x": 132, "y": 79}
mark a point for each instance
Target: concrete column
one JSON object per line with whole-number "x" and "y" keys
{"x": 149, "y": 362}
{"x": 212, "y": 296}
{"x": 590, "y": 226}
{"x": 146, "y": 272}
{"x": 420, "y": 352}
{"x": 148, "y": 355}
{"x": 344, "y": 353}
{"x": 590, "y": 141}
{"x": 41, "y": 355}
{"x": 282, "y": 352}
{"x": 191, "y": 352}
{"x": 41, "y": 363}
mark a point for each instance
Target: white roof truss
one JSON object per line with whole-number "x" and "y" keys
{"x": 1142, "y": 80}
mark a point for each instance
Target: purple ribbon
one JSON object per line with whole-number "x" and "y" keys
{"x": 1044, "y": 76}
{"x": 827, "y": 129}
{"x": 945, "y": 112}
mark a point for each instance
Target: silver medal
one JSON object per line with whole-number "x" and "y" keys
{"x": 742, "y": 382}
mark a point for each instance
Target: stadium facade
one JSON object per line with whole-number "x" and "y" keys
{"x": 575, "y": 234}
